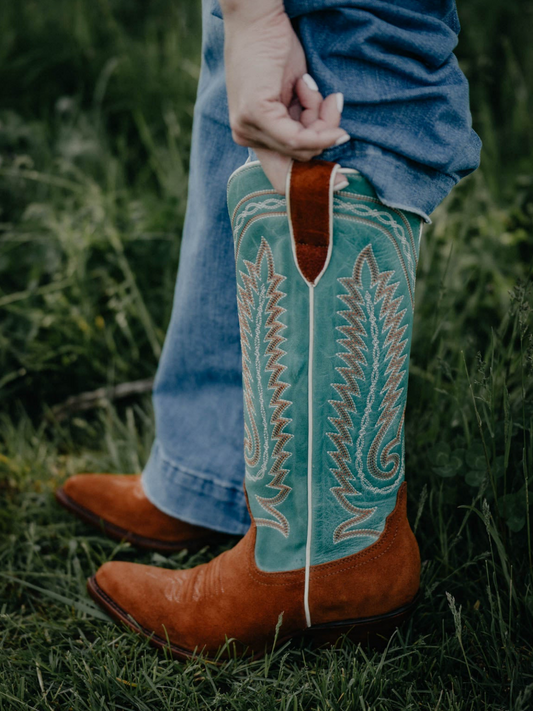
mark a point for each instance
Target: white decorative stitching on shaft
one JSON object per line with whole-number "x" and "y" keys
{"x": 309, "y": 453}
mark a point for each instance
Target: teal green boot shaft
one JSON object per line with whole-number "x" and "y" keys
{"x": 325, "y": 366}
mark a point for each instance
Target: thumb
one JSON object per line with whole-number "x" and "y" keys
{"x": 275, "y": 167}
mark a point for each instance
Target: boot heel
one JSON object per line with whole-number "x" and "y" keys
{"x": 372, "y": 631}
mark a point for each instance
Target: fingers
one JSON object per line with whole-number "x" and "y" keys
{"x": 283, "y": 135}
{"x": 309, "y": 126}
{"x": 310, "y": 100}
{"x": 331, "y": 109}
{"x": 318, "y": 113}
{"x": 301, "y": 131}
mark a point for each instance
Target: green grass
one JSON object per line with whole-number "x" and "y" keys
{"x": 96, "y": 107}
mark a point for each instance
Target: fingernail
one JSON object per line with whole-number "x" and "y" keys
{"x": 340, "y": 101}
{"x": 310, "y": 82}
{"x": 343, "y": 184}
{"x": 342, "y": 139}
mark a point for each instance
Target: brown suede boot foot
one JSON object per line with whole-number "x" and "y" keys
{"x": 365, "y": 596}
{"x": 117, "y": 504}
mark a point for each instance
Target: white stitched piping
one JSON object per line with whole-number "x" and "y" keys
{"x": 311, "y": 286}
{"x": 310, "y": 387}
{"x": 309, "y": 452}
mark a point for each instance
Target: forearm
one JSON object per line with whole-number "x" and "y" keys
{"x": 248, "y": 11}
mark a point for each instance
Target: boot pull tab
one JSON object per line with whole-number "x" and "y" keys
{"x": 310, "y": 213}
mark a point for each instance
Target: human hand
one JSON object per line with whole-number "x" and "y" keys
{"x": 274, "y": 105}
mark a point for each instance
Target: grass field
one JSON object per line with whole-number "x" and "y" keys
{"x": 96, "y": 101}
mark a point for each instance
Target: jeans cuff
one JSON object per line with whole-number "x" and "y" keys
{"x": 194, "y": 497}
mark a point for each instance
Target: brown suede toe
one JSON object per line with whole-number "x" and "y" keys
{"x": 117, "y": 504}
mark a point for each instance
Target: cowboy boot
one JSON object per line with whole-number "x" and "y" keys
{"x": 117, "y": 505}
{"x": 325, "y": 300}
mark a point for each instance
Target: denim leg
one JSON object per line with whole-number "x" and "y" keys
{"x": 196, "y": 467}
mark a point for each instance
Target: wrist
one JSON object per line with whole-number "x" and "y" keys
{"x": 250, "y": 11}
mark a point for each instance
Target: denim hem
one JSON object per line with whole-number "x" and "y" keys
{"x": 399, "y": 183}
{"x": 194, "y": 497}
{"x": 406, "y": 208}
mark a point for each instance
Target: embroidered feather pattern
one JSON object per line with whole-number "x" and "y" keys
{"x": 258, "y": 300}
{"x": 374, "y": 342}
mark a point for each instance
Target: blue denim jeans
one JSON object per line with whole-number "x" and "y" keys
{"x": 407, "y": 112}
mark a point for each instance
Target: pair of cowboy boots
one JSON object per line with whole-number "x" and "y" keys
{"x": 325, "y": 282}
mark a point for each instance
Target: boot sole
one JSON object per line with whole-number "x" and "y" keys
{"x": 121, "y": 534}
{"x": 372, "y": 631}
